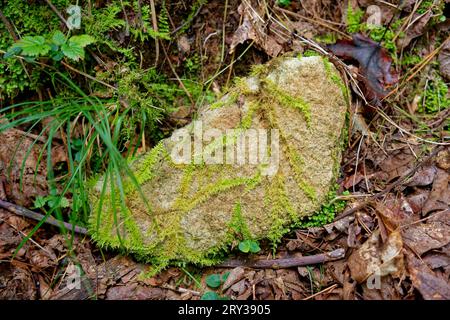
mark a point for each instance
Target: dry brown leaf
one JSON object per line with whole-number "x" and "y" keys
{"x": 433, "y": 234}
{"x": 253, "y": 28}
{"x": 134, "y": 291}
{"x": 427, "y": 282}
{"x": 415, "y": 30}
{"x": 439, "y": 198}
{"x": 444, "y": 60}
{"x": 376, "y": 258}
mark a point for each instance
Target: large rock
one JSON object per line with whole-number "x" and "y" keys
{"x": 202, "y": 193}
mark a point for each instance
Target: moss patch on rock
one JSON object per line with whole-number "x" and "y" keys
{"x": 193, "y": 211}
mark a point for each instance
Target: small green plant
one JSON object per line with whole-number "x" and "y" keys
{"x": 284, "y": 3}
{"x": 249, "y": 246}
{"x": 327, "y": 213}
{"x": 214, "y": 281}
{"x": 354, "y": 18}
{"x": 56, "y": 46}
{"x": 51, "y": 201}
{"x": 435, "y": 97}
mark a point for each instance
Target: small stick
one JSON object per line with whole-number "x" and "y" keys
{"x": 24, "y": 212}
{"x": 286, "y": 262}
{"x": 56, "y": 11}
{"x": 330, "y": 288}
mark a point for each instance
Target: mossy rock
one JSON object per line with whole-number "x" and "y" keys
{"x": 194, "y": 211}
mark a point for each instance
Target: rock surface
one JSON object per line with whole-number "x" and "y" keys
{"x": 203, "y": 194}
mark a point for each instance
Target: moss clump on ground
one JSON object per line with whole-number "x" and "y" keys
{"x": 435, "y": 97}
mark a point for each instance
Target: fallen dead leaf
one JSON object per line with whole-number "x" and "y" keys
{"x": 423, "y": 177}
{"x": 253, "y": 28}
{"x": 376, "y": 258}
{"x": 374, "y": 62}
{"x": 434, "y": 233}
{"x": 439, "y": 198}
{"x": 427, "y": 282}
{"x": 134, "y": 291}
{"x": 414, "y": 30}
{"x": 444, "y": 60}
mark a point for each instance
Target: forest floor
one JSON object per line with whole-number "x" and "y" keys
{"x": 395, "y": 227}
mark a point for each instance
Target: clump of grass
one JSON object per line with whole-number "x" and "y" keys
{"x": 100, "y": 136}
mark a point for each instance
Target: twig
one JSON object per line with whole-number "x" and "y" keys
{"x": 88, "y": 76}
{"x": 55, "y": 10}
{"x": 299, "y": 16}
{"x": 286, "y": 262}
{"x": 24, "y": 212}
{"x": 330, "y": 288}
{"x": 178, "y": 78}
{"x": 155, "y": 27}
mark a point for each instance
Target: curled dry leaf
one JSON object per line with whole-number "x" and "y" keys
{"x": 376, "y": 258}
{"x": 253, "y": 28}
{"x": 374, "y": 63}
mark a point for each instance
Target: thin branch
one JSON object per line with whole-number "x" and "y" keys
{"x": 24, "y": 212}
{"x": 55, "y": 10}
{"x": 285, "y": 262}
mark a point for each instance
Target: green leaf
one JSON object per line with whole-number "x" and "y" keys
{"x": 225, "y": 276}
{"x": 284, "y": 2}
{"x": 53, "y": 201}
{"x": 12, "y": 51}
{"x": 213, "y": 281}
{"x": 39, "y": 202}
{"x": 33, "y": 46}
{"x": 57, "y": 56}
{"x": 254, "y": 247}
{"x": 244, "y": 246}
{"x": 58, "y": 38}
{"x": 82, "y": 40}
{"x": 210, "y": 295}
{"x": 64, "y": 203}
{"x": 72, "y": 50}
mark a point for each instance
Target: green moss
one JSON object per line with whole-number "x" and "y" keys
{"x": 336, "y": 79}
{"x": 435, "y": 97}
{"x": 253, "y": 107}
{"x": 185, "y": 205}
{"x": 226, "y": 101}
{"x": 328, "y": 38}
{"x": 259, "y": 70}
{"x": 310, "y": 53}
{"x": 327, "y": 212}
{"x": 286, "y": 100}
{"x": 282, "y": 213}
{"x": 146, "y": 170}
{"x": 238, "y": 225}
{"x": 354, "y": 18}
